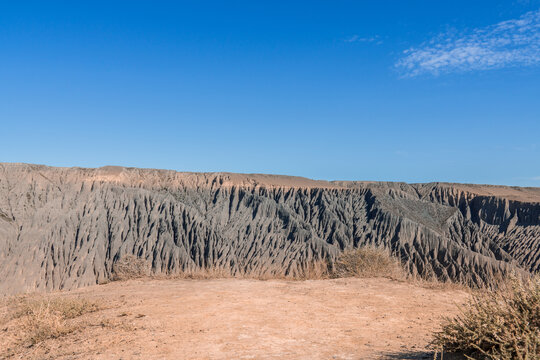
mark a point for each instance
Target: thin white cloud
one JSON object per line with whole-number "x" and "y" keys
{"x": 358, "y": 39}
{"x": 509, "y": 43}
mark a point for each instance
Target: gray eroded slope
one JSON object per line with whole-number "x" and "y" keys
{"x": 64, "y": 228}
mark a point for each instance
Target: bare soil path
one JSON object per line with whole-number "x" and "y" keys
{"x": 252, "y": 319}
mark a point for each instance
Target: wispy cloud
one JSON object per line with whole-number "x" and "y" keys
{"x": 509, "y": 43}
{"x": 359, "y": 39}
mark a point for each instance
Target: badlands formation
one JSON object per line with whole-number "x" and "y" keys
{"x": 65, "y": 228}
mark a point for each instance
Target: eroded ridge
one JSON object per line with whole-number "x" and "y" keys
{"x": 62, "y": 228}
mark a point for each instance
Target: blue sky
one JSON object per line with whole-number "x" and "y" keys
{"x": 412, "y": 91}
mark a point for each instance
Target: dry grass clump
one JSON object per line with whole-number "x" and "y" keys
{"x": 201, "y": 274}
{"x": 364, "y": 262}
{"x": 316, "y": 270}
{"x": 502, "y": 324}
{"x": 130, "y": 267}
{"x": 367, "y": 262}
{"x": 47, "y": 318}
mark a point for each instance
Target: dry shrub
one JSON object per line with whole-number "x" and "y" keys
{"x": 46, "y": 318}
{"x": 203, "y": 273}
{"x": 502, "y": 324}
{"x": 130, "y": 267}
{"x": 316, "y": 270}
{"x": 367, "y": 262}
{"x": 362, "y": 262}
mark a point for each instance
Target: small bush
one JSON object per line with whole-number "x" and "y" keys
{"x": 203, "y": 274}
{"x": 130, "y": 267}
{"x": 502, "y": 324}
{"x": 368, "y": 262}
{"x": 315, "y": 270}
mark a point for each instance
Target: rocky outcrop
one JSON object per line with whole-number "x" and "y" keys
{"x": 63, "y": 228}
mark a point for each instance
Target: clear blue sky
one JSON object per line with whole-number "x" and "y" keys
{"x": 412, "y": 91}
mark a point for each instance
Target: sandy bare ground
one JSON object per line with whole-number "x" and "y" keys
{"x": 251, "y": 319}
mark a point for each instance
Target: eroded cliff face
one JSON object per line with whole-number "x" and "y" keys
{"x": 65, "y": 228}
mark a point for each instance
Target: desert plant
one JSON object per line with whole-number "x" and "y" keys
{"x": 215, "y": 272}
{"x": 130, "y": 267}
{"x": 502, "y": 324}
{"x": 367, "y": 262}
{"x": 314, "y": 270}
{"x": 65, "y": 308}
{"x": 45, "y": 318}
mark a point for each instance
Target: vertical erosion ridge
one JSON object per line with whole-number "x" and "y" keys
{"x": 64, "y": 228}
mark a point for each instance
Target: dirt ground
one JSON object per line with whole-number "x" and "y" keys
{"x": 253, "y": 319}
